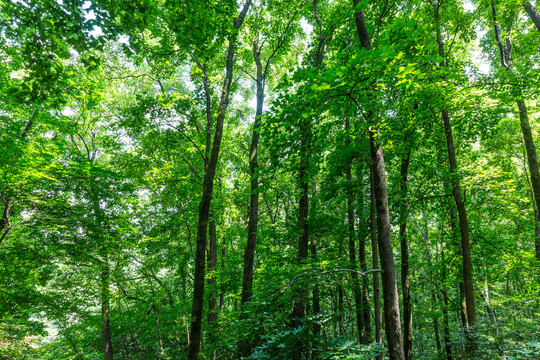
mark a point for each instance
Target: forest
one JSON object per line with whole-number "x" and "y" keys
{"x": 269, "y": 179}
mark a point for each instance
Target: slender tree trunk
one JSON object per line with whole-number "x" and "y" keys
{"x": 460, "y": 205}
{"x": 105, "y": 311}
{"x": 222, "y": 295}
{"x": 366, "y": 334}
{"x": 352, "y": 259}
{"x": 436, "y": 325}
{"x": 407, "y": 309}
{"x": 207, "y": 193}
{"x": 446, "y": 324}
{"x": 463, "y": 224}
{"x": 315, "y": 292}
{"x": 212, "y": 266}
{"x": 505, "y": 50}
{"x": 299, "y": 305}
{"x": 156, "y": 317}
{"x": 249, "y": 254}
{"x": 532, "y": 159}
{"x": 533, "y": 13}
{"x": 375, "y": 265}
{"x": 390, "y": 292}
{"x": 359, "y": 311}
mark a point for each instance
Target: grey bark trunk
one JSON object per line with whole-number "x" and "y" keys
{"x": 392, "y": 319}
{"x": 533, "y": 13}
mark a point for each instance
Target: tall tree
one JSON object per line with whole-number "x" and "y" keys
{"x": 390, "y": 293}
{"x": 207, "y": 194}
{"x": 456, "y": 188}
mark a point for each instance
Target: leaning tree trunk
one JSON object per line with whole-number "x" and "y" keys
{"x": 532, "y": 160}
{"x": 533, "y": 13}
{"x": 505, "y": 51}
{"x": 207, "y": 193}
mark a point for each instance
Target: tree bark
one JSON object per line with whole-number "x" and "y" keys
{"x": 533, "y": 13}
{"x": 207, "y": 193}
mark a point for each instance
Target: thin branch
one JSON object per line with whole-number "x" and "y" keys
{"x": 139, "y": 76}
{"x": 187, "y": 137}
{"x": 246, "y": 72}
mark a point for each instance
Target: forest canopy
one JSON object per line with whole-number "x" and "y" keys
{"x": 269, "y": 179}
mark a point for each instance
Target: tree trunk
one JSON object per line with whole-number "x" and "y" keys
{"x": 207, "y": 193}
{"x": 249, "y": 254}
{"x": 359, "y": 311}
{"x": 436, "y": 325}
{"x": 533, "y": 13}
{"x": 407, "y": 309}
{"x": 456, "y": 190}
{"x": 390, "y": 293}
{"x": 463, "y": 223}
{"x": 446, "y": 324}
{"x": 299, "y": 304}
{"x": 375, "y": 265}
{"x": 392, "y": 319}
{"x": 212, "y": 266}
{"x": 532, "y": 160}
{"x": 316, "y": 302}
{"x": 352, "y": 259}
{"x": 366, "y": 335}
{"x": 105, "y": 315}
